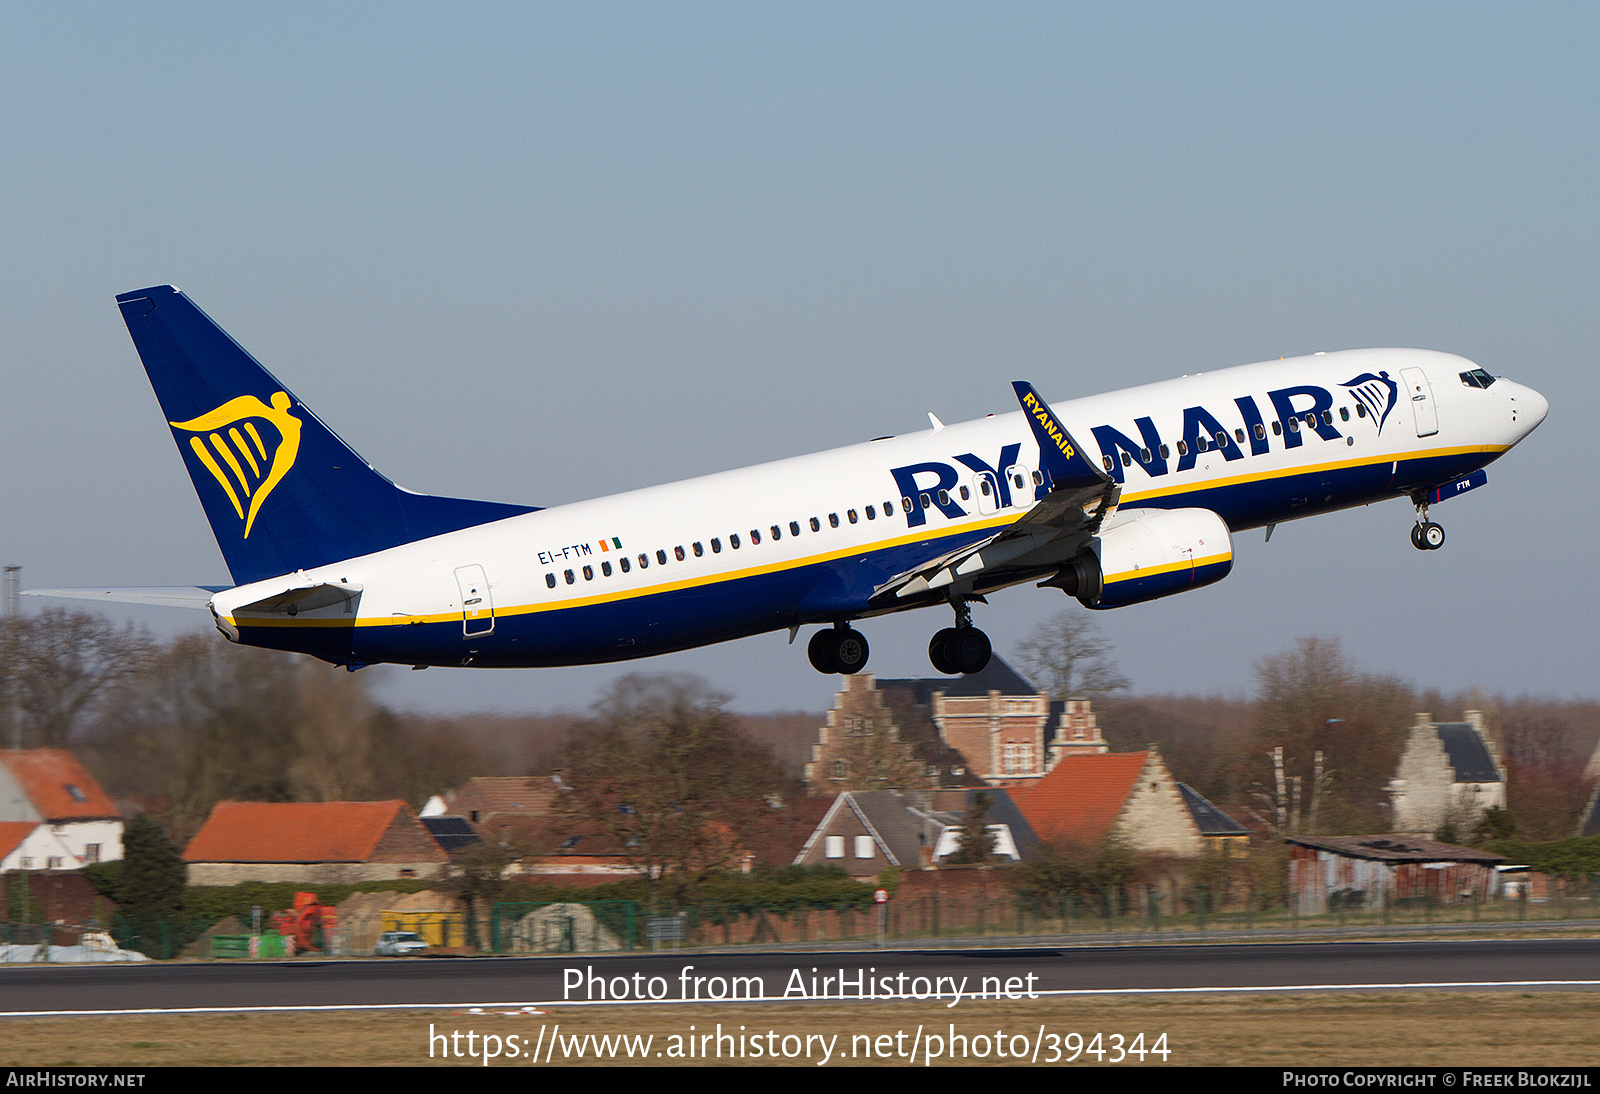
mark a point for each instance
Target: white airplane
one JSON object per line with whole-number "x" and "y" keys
{"x": 332, "y": 559}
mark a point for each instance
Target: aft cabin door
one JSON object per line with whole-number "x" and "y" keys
{"x": 1421, "y": 396}
{"x": 477, "y": 609}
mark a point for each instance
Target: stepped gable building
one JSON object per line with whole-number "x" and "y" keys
{"x": 312, "y": 843}
{"x": 995, "y": 719}
{"x": 49, "y": 787}
{"x": 860, "y": 747}
{"x": 1449, "y": 774}
{"x": 1127, "y": 796}
{"x": 1077, "y": 731}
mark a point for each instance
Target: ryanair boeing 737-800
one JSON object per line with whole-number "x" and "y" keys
{"x": 1114, "y": 499}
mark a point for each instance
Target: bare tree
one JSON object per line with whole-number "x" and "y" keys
{"x": 61, "y": 666}
{"x": 1067, "y": 655}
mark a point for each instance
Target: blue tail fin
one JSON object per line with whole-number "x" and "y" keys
{"x": 282, "y": 492}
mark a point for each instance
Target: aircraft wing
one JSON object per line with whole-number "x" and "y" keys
{"x": 166, "y": 596}
{"x": 1080, "y": 497}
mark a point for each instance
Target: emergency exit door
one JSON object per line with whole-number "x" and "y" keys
{"x": 477, "y": 607}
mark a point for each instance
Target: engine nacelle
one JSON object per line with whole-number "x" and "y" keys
{"x": 1149, "y": 553}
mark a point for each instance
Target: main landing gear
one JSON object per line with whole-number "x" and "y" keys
{"x": 962, "y": 649}
{"x": 1426, "y": 535}
{"x": 838, "y": 650}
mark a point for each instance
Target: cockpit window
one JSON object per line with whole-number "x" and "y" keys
{"x": 1477, "y": 378}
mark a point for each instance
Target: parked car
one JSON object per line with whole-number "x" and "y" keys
{"x": 400, "y": 944}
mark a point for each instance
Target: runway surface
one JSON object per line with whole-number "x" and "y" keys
{"x": 1539, "y": 964}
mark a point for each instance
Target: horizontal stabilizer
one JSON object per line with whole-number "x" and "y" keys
{"x": 165, "y": 596}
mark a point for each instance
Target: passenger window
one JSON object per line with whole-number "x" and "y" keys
{"x": 605, "y": 569}
{"x": 1277, "y": 428}
{"x": 588, "y": 573}
{"x": 905, "y": 503}
{"x": 816, "y": 525}
{"x": 623, "y": 562}
{"x": 1038, "y": 479}
{"x": 1105, "y": 460}
{"x": 1238, "y": 435}
{"x": 1311, "y": 420}
{"x": 851, "y": 513}
{"x": 872, "y": 514}
{"x": 733, "y": 541}
{"x": 698, "y": 550}
{"x": 1166, "y": 453}
{"x": 1361, "y": 411}
{"x": 1261, "y": 432}
{"x": 1202, "y": 444}
{"x": 1222, "y": 439}
{"x": 1344, "y": 414}
{"x": 794, "y": 528}
{"x": 1127, "y": 460}
{"x": 571, "y": 580}
{"x": 644, "y": 562}
{"x": 927, "y": 502}
{"x": 944, "y": 497}
{"x": 1018, "y": 481}
{"x": 983, "y": 484}
{"x": 678, "y": 551}
{"x": 661, "y": 556}
{"x": 888, "y": 509}
{"x": 716, "y": 546}
{"x": 1183, "y": 448}
{"x": 1144, "y": 455}
{"x": 966, "y": 495}
{"x": 550, "y": 580}
{"x": 1294, "y": 425}
{"x": 755, "y": 537}
{"x": 833, "y": 520}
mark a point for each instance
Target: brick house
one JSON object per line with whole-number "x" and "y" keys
{"x": 860, "y": 748}
{"x": 1449, "y": 774}
{"x": 312, "y": 843}
{"x": 1327, "y": 873}
{"x": 866, "y": 831}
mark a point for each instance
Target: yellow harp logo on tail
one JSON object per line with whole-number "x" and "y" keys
{"x": 228, "y": 434}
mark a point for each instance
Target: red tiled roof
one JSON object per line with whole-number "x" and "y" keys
{"x": 1079, "y": 800}
{"x": 292, "y": 831}
{"x": 13, "y": 833}
{"x": 57, "y": 785}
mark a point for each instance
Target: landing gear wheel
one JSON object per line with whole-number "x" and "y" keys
{"x": 849, "y": 651}
{"x": 820, "y": 651}
{"x": 936, "y": 653}
{"x": 1432, "y": 536}
{"x": 1416, "y": 538}
{"x": 969, "y": 650}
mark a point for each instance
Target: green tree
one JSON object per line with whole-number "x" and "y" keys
{"x": 151, "y": 895}
{"x": 977, "y": 842}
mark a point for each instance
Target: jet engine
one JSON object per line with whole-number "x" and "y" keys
{"x": 1147, "y": 554}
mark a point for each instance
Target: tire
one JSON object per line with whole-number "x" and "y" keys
{"x": 969, "y": 650}
{"x": 820, "y": 651}
{"x": 1432, "y": 536}
{"x": 850, "y": 652}
{"x": 936, "y": 653}
{"x": 1416, "y": 538}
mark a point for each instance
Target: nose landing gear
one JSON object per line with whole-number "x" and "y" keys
{"x": 1425, "y": 534}
{"x": 962, "y": 649}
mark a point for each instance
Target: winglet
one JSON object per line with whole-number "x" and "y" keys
{"x": 1061, "y": 458}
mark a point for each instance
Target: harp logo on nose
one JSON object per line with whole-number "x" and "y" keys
{"x": 248, "y": 447}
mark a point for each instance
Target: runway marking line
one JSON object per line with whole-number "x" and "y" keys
{"x": 527, "y": 1009}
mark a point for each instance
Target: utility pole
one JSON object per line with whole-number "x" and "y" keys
{"x": 10, "y": 637}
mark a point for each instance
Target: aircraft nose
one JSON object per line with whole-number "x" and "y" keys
{"x": 1531, "y": 407}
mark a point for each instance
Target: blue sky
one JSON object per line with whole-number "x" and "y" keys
{"x": 540, "y": 253}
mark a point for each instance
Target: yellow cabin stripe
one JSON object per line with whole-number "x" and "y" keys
{"x": 864, "y": 548}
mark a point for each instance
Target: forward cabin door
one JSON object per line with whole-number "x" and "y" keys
{"x": 1422, "y": 404}
{"x": 477, "y": 608}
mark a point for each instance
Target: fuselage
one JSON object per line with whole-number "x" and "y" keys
{"x": 810, "y": 539}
